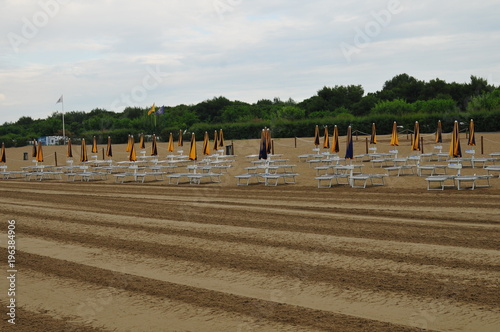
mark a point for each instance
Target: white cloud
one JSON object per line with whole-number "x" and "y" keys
{"x": 95, "y": 51}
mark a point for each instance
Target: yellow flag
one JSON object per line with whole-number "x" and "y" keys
{"x": 152, "y": 110}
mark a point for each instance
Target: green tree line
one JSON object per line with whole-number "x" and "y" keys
{"x": 402, "y": 98}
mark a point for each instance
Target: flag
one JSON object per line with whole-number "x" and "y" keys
{"x": 152, "y": 110}
{"x": 160, "y": 111}
{"x": 60, "y": 100}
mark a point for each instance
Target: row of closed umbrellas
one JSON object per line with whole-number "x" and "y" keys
{"x": 455, "y": 150}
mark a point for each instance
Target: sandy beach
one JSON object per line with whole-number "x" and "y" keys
{"x": 106, "y": 256}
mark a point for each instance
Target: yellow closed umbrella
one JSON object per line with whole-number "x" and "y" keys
{"x": 415, "y": 146}
{"x": 206, "y": 144}
{"x": 326, "y": 139}
{"x": 3, "y": 159}
{"x": 170, "y": 143}
{"x": 129, "y": 143}
{"x": 394, "y": 136}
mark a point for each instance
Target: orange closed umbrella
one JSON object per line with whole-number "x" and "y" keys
{"x": 132, "y": 156}
{"x": 216, "y": 141}
{"x": 83, "y": 154}
{"x": 221, "y": 138}
{"x": 439, "y": 133}
{"x": 154, "y": 147}
{"x": 39, "y": 153}
{"x": 373, "y": 137}
{"x": 316, "y": 136}
{"x": 3, "y": 159}
{"x": 109, "y": 150}
{"x": 94, "y": 145}
{"x": 181, "y": 141}
{"x": 335, "y": 140}
{"x": 34, "y": 149}
{"x": 192, "y": 149}
{"x": 455, "y": 149}
{"x": 472, "y": 134}
{"x": 69, "y": 154}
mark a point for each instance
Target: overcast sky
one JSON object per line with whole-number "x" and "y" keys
{"x": 111, "y": 54}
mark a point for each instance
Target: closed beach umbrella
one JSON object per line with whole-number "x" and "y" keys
{"x": 109, "y": 150}
{"x": 83, "y": 153}
{"x": 69, "y": 154}
{"x": 180, "y": 141}
{"x": 472, "y": 134}
{"x": 439, "y": 133}
{"x": 373, "y": 137}
{"x": 326, "y": 139}
{"x": 415, "y": 146}
{"x": 154, "y": 147}
{"x": 129, "y": 143}
{"x": 349, "y": 152}
{"x": 132, "y": 156}
{"x": 455, "y": 149}
{"x": 39, "y": 153}
{"x": 3, "y": 159}
{"x": 206, "y": 144}
{"x": 221, "y": 138}
{"x": 34, "y": 149}
{"x": 263, "y": 145}
{"x": 335, "y": 140}
{"x": 170, "y": 143}
{"x": 94, "y": 145}
{"x": 394, "y": 136}
{"x": 216, "y": 141}
{"x": 141, "y": 142}
{"x": 316, "y": 136}
{"x": 268, "y": 140}
{"x": 192, "y": 148}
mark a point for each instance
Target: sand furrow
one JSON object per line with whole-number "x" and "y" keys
{"x": 298, "y": 290}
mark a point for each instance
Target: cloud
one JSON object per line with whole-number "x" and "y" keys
{"x": 94, "y": 51}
